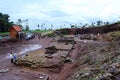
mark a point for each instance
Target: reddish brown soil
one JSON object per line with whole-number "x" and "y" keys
{"x": 25, "y": 73}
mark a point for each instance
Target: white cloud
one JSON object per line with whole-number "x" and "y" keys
{"x": 63, "y": 11}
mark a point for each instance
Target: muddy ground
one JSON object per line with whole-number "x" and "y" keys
{"x": 19, "y": 47}
{"x": 10, "y": 71}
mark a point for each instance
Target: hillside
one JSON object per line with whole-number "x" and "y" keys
{"x": 99, "y": 60}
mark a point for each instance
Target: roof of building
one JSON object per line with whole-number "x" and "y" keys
{"x": 17, "y": 28}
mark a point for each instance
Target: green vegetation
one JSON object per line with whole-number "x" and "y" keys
{"x": 48, "y": 33}
{"x": 44, "y": 32}
{"x": 111, "y": 37}
{"x": 5, "y": 24}
{"x": 4, "y": 34}
{"x": 40, "y": 31}
{"x": 114, "y": 34}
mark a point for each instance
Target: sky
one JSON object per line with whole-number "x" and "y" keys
{"x": 60, "y": 12}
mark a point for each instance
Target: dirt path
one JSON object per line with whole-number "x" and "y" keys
{"x": 69, "y": 68}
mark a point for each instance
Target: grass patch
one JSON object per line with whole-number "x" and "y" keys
{"x": 115, "y": 35}
{"x": 4, "y": 34}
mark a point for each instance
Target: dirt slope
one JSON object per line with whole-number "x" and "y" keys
{"x": 99, "y": 60}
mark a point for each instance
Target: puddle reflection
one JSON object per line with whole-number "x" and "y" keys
{"x": 27, "y": 48}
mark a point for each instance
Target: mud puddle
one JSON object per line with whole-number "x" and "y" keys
{"x": 27, "y": 48}
{"x": 24, "y": 49}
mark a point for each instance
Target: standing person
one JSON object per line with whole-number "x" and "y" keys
{"x": 11, "y": 57}
{"x": 14, "y": 57}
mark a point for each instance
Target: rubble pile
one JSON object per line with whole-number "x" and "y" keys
{"x": 44, "y": 77}
{"x": 67, "y": 40}
{"x": 51, "y": 50}
{"x": 89, "y": 37}
{"x": 112, "y": 73}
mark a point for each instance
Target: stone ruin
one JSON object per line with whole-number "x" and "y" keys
{"x": 52, "y": 57}
{"x": 51, "y": 50}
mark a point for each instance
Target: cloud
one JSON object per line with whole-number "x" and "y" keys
{"x": 62, "y": 11}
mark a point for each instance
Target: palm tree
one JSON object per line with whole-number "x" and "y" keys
{"x": 38, "y": 26}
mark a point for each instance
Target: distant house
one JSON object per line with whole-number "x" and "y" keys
{"x": 15, "y": 31}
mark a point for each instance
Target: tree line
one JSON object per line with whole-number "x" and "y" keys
{"x": 5, "y": 23}
{"x": 93, "y": 24}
